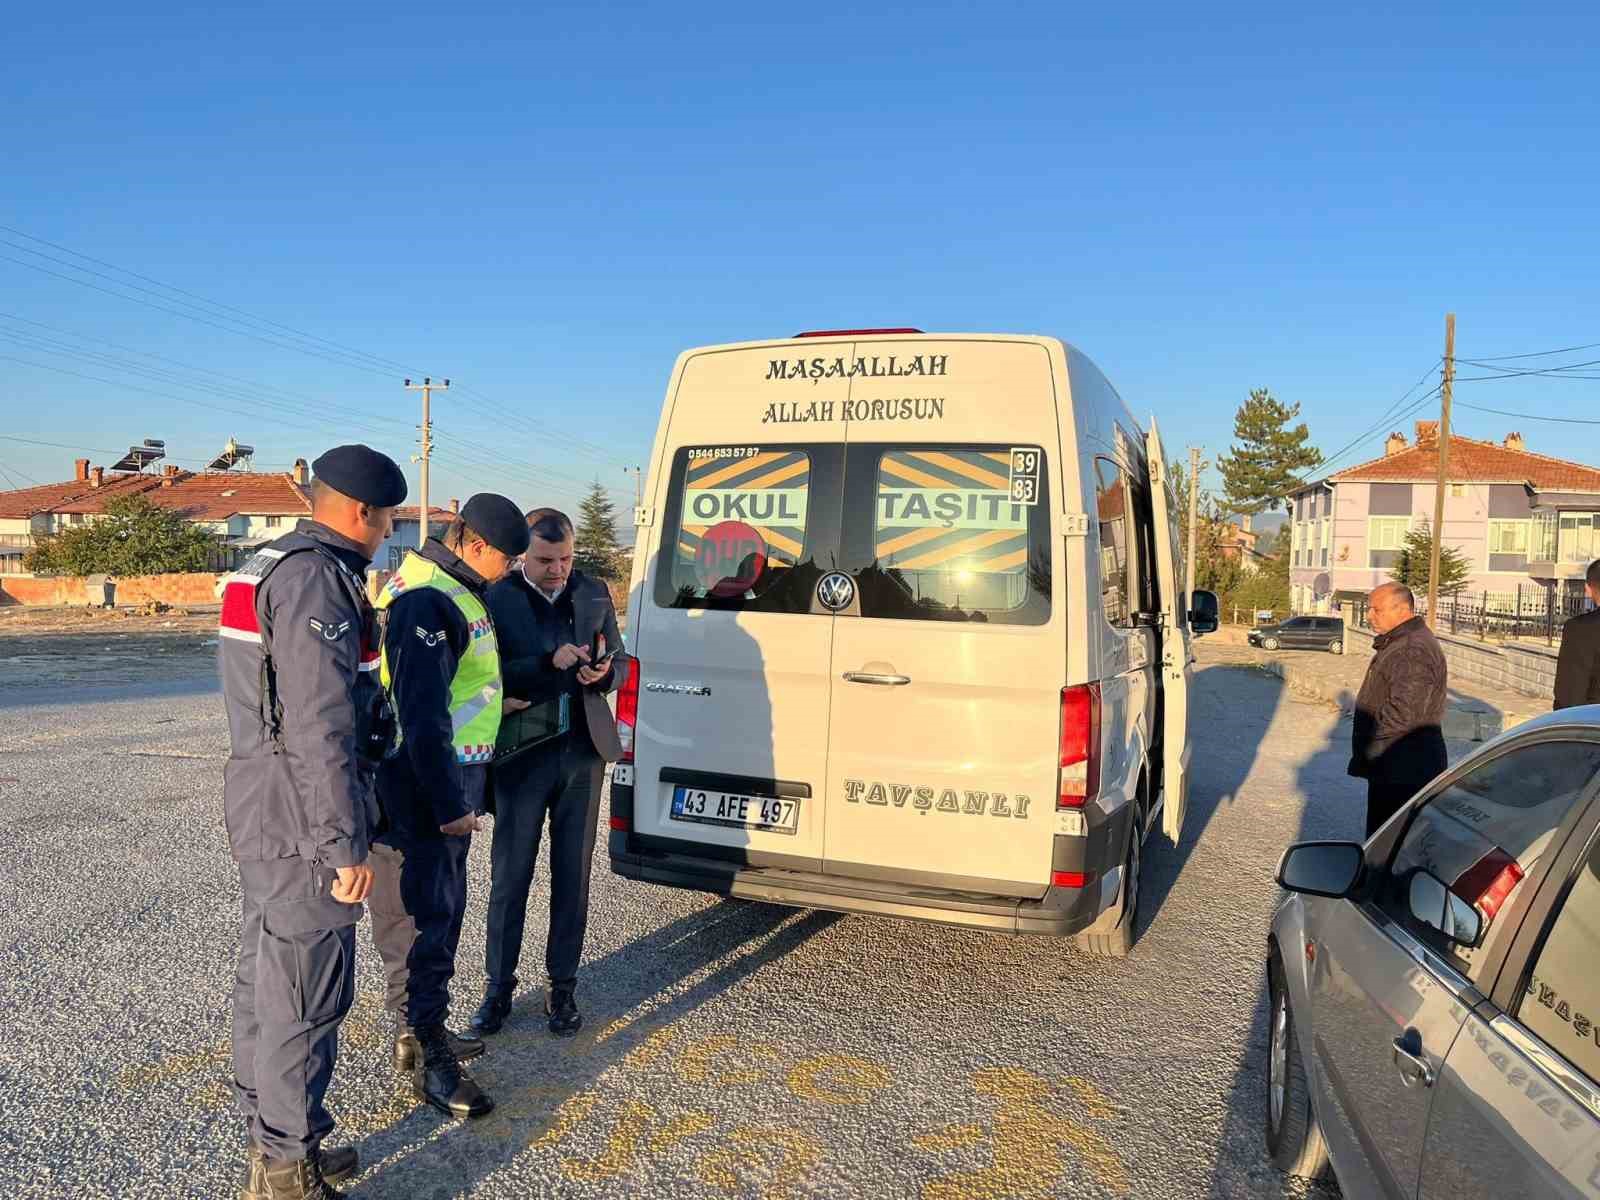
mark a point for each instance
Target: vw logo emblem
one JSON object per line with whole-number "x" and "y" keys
{"x": 836, "y": 590}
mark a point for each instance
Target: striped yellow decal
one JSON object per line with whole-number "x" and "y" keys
{"x": 967, "y": 470}
{"x": 905, "y": 541}
{"x": 773, "y": 538}
{"x": 893, "y": 466}
{"x": 961, "y": 549}
{"x": 735, "y": 468}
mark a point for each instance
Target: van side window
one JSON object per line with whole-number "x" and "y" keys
{"x": 936, "y": 533}
{"x": 1112, "y": 508}
{"x": 739, "y": 528}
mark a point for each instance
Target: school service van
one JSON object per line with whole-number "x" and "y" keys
{"x": 908, "y": 635}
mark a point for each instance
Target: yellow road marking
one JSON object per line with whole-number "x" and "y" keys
{"x": 1027, "y": 1137}
{"x": 853, "y": 1080}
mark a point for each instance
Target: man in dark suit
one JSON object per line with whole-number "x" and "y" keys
{"x": 1398, "y": 739}
{"x": 1578, "y": 668}
{"x": 547, "y": 616}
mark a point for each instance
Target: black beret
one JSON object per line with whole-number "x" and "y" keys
{"x": 497, "y": 521}
{"x": 363, "y": 474}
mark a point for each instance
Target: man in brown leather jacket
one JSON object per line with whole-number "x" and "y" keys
{"x": 1398, "y": 743}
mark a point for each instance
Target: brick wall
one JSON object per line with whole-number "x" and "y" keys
{"x": 1530, "y": 670}
{"x": 177, "y": 590}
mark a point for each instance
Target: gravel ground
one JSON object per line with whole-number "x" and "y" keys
{"x": 732, "y": 1049}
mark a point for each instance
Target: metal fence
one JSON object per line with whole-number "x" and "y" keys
{"x": 1533, "y": 611}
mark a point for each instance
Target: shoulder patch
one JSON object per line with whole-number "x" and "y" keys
{"x": 330, "y": 631}
{"x": 430, "y": 639}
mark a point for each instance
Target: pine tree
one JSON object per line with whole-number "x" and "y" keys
{"x": 597, "y": 554}
{"x": 1412, "y": 562}
{"x": 1268, "y": 458}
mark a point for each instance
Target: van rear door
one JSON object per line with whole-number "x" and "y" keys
{"x": 732, "y": 732}
{"x": 949, "y": 650}
{"x": 1173, "y": 628}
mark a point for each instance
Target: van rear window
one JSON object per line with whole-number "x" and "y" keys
{"x": 740, "y": 524}
{"x": 958, "y": 533}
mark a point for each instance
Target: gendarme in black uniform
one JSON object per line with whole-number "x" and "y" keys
{"x": 307, "y": 721}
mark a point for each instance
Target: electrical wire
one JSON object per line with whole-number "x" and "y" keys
{"x": 1505, "y": 412}
{"x": 1532, "y": 353}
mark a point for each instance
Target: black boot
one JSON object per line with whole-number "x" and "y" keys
{"x": 491, "y": 1015}
{"x": 442, "y": 1081}
{"x": 298, "y": 1180}
{"x": 337, "y": 1165}
{"x": 562, "y": 1006}
{"x": 408, "y": 1050}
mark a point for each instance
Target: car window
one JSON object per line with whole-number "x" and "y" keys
{"x": 1561, "y": 1002}
{"x": 1484, "y": 833}
{"x": 1295, "y": 623}
{"x": 741, "y": 527}
{"x": 952, "y": 533}
{"x": 1111, "y": 507}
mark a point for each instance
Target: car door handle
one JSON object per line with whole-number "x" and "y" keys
{"x": 1411, "y": 1064}
{"x": 876, "y": 679}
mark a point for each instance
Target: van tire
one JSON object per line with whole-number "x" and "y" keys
{"x": 1335, "y": 647}
{"x": 1112, "y": 935}
{"x": 1294, "y": 1138}
{"x": 1269, "y": 643}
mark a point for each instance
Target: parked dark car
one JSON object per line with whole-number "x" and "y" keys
{"x": 1302, "y": 633}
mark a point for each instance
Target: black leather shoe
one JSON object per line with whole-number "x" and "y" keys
{"x": 562, "y": 1006}
{"x": 408, "y": 1051}
{"x": 491, "y": 1015}
{"x": 443, "y": 1082}
{"x": 336, "y": 1165}
{"x": 301, "y": 1180}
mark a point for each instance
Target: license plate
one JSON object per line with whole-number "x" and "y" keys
{"x": 771, "y": 813}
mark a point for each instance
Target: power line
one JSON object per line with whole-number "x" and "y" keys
{"x": 342, "y": 355}
{"x": 1532, "y": 354}
{"x": 1504, "y": 412}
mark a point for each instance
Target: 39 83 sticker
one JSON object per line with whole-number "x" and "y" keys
{"x": 1025, "y": 466}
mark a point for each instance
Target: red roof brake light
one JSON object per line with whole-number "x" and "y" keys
{"x": 628, "y": 708}
{"x": 825, "y": 333}
{"x": 1080, "y": 746}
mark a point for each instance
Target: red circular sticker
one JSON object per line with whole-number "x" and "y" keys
{"x": 730, "y": 558}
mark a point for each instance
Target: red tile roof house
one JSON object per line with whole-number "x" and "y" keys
{"x": 244, "y": 509}
{"x": 1521, "y": 519}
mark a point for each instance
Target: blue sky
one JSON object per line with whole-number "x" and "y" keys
{"x": 548, "y": 204}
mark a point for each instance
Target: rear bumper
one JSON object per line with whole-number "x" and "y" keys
{"x": 1060, "y": 912}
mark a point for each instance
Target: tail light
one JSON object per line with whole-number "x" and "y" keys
{"x": 1071, "y": 879}
{"x": 628, "y": 708}
{"x": 1489, "y": 882}
{"x": 1080, "y": 746}
{"x": 621, "y": 824}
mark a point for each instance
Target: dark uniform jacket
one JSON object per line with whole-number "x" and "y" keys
{"x": 1578, "y": 668}
{"x": 421, "y": 785}
{"x": 297, "y": 658}
{"x": 531, "y": 629}
{"x": 1398, "y": 743}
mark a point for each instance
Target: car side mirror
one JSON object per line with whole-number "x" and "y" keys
{"x": 1328, "y": 869}
{"x": 1437, "y": 907}
{"x": 1204, "y": 612}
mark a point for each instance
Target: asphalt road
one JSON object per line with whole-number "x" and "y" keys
{"x": 732, "y": 1049}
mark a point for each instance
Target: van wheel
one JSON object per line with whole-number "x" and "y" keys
{"x": 1269, "y": 643}
{"x": 1294, "y": 1139}
{"x": 1112, "y": 935}
{"x": 1335, "y": 647}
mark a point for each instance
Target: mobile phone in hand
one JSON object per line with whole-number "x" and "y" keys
{"x": 594, "y": 648}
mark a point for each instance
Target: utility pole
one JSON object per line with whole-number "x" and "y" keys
{"x": 1194, "y": 509}
{"x": 426, "y": 388}
{"x": 638, "y": 485}
{"x": 1444, "y": 467}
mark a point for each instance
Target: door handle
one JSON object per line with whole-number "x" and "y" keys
{"x": 1411, "y": 1064}
{"x": 878, "y": 680}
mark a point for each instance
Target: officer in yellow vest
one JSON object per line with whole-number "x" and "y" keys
{"x": 441, "y": 667}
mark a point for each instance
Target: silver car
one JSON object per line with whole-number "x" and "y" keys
{"x": 1435, "y": 994}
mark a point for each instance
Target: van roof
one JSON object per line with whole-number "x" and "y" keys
{"x": 846, "y": 335}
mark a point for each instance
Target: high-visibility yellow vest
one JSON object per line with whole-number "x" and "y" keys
{"x": 477, "y": 689}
